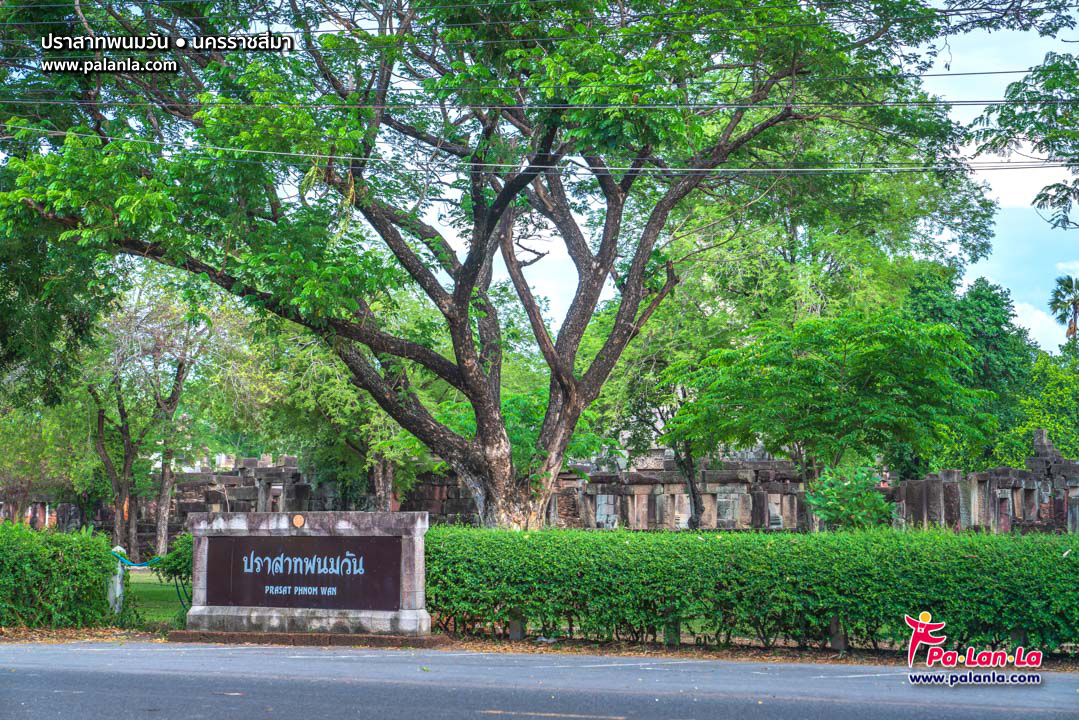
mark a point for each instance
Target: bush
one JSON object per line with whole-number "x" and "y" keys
{"x": 50, "y": 579}
{"x": 767, "y": 586}
{"x": 176, "y": 565}
{"x": 849, "y": 500}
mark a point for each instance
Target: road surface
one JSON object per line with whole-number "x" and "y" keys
{"x": 109, "y": 681}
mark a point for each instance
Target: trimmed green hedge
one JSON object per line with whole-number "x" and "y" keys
{"x": 50, "y": 579}
{"x": 629, "y": 585}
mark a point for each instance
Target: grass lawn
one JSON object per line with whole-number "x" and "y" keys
{"x": 156, "y": 601}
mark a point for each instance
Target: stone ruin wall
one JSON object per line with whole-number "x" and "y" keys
{"x": 755, "y": 494}
{"x": 740, "y": 494}
{"x": 252, "y": 484}
{"x": 651, "y": 495}
{"x": 1043, "y": 497}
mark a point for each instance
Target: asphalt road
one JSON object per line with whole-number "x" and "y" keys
{"x": 91, "y": 681}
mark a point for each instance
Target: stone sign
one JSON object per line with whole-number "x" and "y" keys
{"x": 354, "y": 573}
{"x": 342, "y": 572}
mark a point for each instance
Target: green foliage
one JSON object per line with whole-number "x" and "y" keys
{"x": 829, "y": 387}
{"x": 1000, "y": 369}
{"x": 1040, "y": 110}
{"x": 52, "y": 579}
{"x": 1051, "y": 402}
{"x": 849, "y": 499}
{"x": 626, "y": 585}
{"x": 47, "y": 451}
{"x": 283, "y": 390}
{"x": 176, "y": 565}
{"x": 318, "y": 211}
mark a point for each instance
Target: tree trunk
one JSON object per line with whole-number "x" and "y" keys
{"x": 515, "y": 510}
{"x": 164, "y": 502}
{"x": 382, "y": 477}
{"x": 133, "y": 527}
{"x": 375, "y": 474}
{"x": 476, "y": 485}
{"x": 503, "y": 496}
{"x": 696, "y": 503}
{"x": 522, "y": 505}
{"x": 119, "y": 513}
{"x": 687, "y": 463}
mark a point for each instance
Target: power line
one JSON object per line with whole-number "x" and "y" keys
{"x": 849, "y": 168}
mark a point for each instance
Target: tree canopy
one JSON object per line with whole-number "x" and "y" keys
{"x": 404, "y": 146}
{"x": 832, "y": 390}
{"x": 1039, "y": 112}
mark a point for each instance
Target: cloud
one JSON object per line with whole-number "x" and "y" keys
{"x": 1017, "y": 187}
{"x": 1045, "y": 331}
{"x": 1071, "y": 267}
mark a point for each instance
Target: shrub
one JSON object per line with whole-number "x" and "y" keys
{"x": 176, "y": 564}
{"x": 50, "y": 579}
{"x": 849, "y": 499}
{"x": 768, "y": 586}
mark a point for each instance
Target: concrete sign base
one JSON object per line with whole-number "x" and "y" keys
{"x": 309, "y": 572}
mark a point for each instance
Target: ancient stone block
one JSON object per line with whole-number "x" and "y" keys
{"x": 760, "y": 509}
{"x": 915, "y": 495}
{"x": 934, "y": 500}
{"x": 708, "y": 511}
{"x": 1004, "y": 516}
{"x": 952, "y": 504}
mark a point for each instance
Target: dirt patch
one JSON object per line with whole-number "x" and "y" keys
{"x": 68, "y": 635}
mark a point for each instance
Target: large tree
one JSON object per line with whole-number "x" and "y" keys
{"x": 1004, "y": 354}
{"x": 407, "y": 144}
{"x": 832, "y": 390}
{"x": 147, "y": 349}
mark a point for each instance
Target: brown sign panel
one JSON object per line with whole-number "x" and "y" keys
{"x": 331, "y": 572}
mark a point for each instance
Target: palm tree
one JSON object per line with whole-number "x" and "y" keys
{"x": 1064, "y": 303}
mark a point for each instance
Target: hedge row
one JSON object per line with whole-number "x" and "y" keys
{"x": 990, "y": 589}
{"x": 52, "y": 579}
